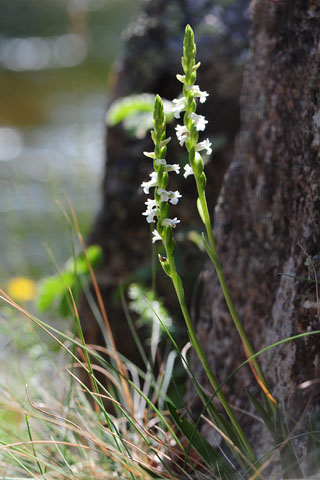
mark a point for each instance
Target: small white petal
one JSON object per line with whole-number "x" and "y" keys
{"x": 170, "y": 222}
{"x": 150, "y": 217}
{"x": 151, "y": 203}
{"x": 164, "y": 194}
{"x": 187, "y": 171}
{"x": 182, "y": 134}
{"x": 167, "y": 195}
{"x": 199, "y": 120}
{"x": 152, "y": 183}
{"x": 156, "y": 236}
{"x": 205, "y": 145}
{"x": 151, "y": 211}
{"x": 180, "y": 105}
{"x": 150, "y": 214}
{"x": 198, "y": 93}
{"x": 174, "y": 197}
{"x": 173, "y": 168}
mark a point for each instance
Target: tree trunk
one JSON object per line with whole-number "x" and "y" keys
{"x": 267, "y": 220}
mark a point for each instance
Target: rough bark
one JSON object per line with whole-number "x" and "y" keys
{"x": 150, "y": 62}
{"x": 267, "y": 222}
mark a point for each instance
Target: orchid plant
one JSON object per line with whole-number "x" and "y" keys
{"x": 158, "y": 210}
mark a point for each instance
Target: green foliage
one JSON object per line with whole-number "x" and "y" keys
{"x": 54, "y": 290}
{"x": 135, "y": 112}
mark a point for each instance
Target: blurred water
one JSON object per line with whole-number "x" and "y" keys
{"x": 53, "y": 94}
{"x": 40, "y": 53}
{"x": 39, "y": 164}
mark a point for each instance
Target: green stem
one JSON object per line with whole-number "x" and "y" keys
{"x": 199, "y": 351}
{"x": 215, "y": 260}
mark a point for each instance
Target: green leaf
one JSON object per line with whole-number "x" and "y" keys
{"x": 210, "y": 456}
{"x": 65, "y": 305}
{"x": 201, "y": 211}
{"x": 127, "y": 106}
{"x": 135, "y": 111}
{"x": 263, "y": 414}
{"x": 51, "y": 288}
{"x": 54, "y": 289}
{"x": 80, "y": 265}
{"x": 269, "y": 406}
{"x": 94, "y": 253}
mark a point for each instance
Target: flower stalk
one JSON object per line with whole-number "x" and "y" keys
{"x": 187, "y": 135}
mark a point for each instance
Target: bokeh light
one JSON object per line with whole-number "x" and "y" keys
{"x": 11, "y": 143}
{"x": 55, "y": 57}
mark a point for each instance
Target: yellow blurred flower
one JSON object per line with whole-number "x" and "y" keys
{"x": 21, "y": 289}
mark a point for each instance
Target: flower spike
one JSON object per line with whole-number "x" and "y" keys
{"x": 158, "y": 208}
{"x": 158, "y": 211}
{"x": 188, "y": 136}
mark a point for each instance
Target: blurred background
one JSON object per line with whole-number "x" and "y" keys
{"x": 55, "y": 63}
